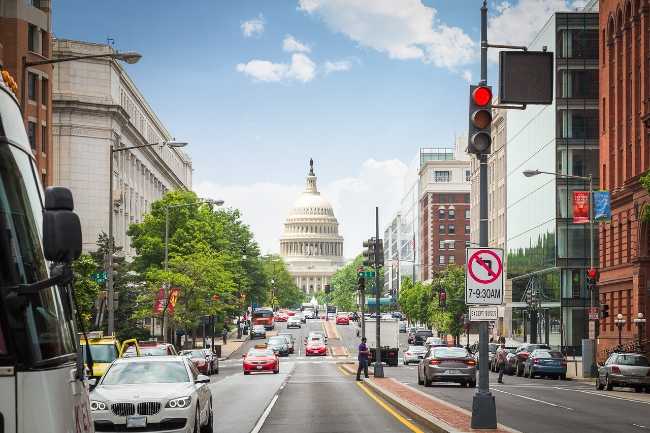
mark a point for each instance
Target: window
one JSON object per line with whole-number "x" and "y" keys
{"x": 442, "y": 176}
{"x": 452, "y": 214}
{"x": 441, "y": 214}
{"x": 441, "y": 229}
{"x": 31, "y": 134}
{"x": 577, "y": 83}
{"x": 467, "y": 229}
{"x": 452, "y": 260}
{"x": 32, "y": 34}
{"x": 35, "y": 3}
{"x": 44, "y": 90}
{"x": 580, "y": 124}
{"x": 468, "y": 175}
{"x": 451, "y": 244}
{"x": 466, "y": 198}
{"x": 44, "y": 139}
{"x": 451, "y": 229}
{"x": 468, "y": 244}
{"x": 441, "y": 245}
{"x": 32, "y": 80}
{"x": 441, "y": 260}
{"x": 578, "y": 44}
{"x": 467, "y": 214}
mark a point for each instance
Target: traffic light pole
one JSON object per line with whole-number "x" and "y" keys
{"x": 379, "y": 369}
{"x": 484, "y": 414}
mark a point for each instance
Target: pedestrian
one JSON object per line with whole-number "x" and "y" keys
{"x": 239, "y": 328}
{"x": 363, "y": 359}
{"x": 224, "y": 334}
{"x": 501, "y": 360}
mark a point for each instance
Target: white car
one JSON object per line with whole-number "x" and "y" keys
{"x": 294, "y": 322}
{"x": 414, "y": 354}
{"x": 152, "y": 393}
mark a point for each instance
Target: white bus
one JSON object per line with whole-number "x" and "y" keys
{"x": 41, "y": 370}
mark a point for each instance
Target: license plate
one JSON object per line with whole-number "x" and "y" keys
{"x": 452, "y": 372}
{"x": 136, "y": 421}
{"x": 259, "y": 367}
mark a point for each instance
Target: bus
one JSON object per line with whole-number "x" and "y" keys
{"x": 42, "y": 375}
{"x": 264, "y": 316}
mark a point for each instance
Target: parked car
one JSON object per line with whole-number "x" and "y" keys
{"x": 258, "y": 331}
{"x": 402, "y": 327}
{"x": 421, "y": 336}
{"x": 203, "y": 361}
{"x": 342, "y": 319}
{"x": 414, "y": 354}
{"x": 522, "y": 354}
{"x": 294, "y": 322}
{"x": 624, "y": 369}
{"x": 511, "y": 361}
{"x": 493, "y": 359}
{"x": 290, "y": 340}
{"x": 544, "y": 362}
{"x": 447, "y": 364}
{"x": 259, "y": 359}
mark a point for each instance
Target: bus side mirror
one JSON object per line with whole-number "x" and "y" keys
{"x": 61, "y": 226}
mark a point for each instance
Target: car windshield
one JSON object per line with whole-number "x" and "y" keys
{"x": 153, "y": 351}
{"x": 423, "y": 333}
{"x": 421, "y": 349}
{"x": 194, "y": 353}
{"x": 277, "y": 340}
{"x": 260, "y": 352}
{"x": 634, "y": 360}
{"x": 450, "y": 352}
{"x": 131, "y": 373}
{"x": 103, "y": 353}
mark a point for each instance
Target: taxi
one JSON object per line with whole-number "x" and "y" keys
{"x": 260, "y": 359}
{"x": 103, "y": 350}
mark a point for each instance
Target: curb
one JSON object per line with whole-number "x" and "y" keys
{"x": 243, "y": 340}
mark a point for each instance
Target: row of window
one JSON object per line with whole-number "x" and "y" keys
{"x": 449, "y": 198}
{"x": 444, "y": 176}
{"x": 450, "y": 260}
{"x": 451, "y": 229}
{"x": 32, "y": 88}
{"x": 451, "y": 244}
{"x": 31, "y": 135}
{"x": 450, "y": 214}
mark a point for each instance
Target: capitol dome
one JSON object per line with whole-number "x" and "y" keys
{"x": 311, "y": 245}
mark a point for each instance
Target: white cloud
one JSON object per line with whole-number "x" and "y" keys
{"x": 292, "y": 45}
{"x": 404, "y": 29}
{"x": 518, "y": 24}
{"x": 467, "y": 76}
{"x": 253, "y": 27}
{"x": 264, "y": 206}
{"x": 301, "y": 68}
{"x": 337, "y": 66}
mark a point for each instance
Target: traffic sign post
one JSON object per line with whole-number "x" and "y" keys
{"x": 484, "y": 276}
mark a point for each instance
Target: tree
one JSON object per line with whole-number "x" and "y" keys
{"x": 287, "y": 293}
{"x": 86, "y": 288}
{"x": 449, "y": 318}
{"x": 344, "y": 286}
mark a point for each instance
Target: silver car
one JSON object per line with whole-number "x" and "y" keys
{"x": 624, "y": 369}
{"x": 294, "y": 322}
{"x": 152, "y": 393}
{"x": 414, "y": 354}
{"x": 447, "y": 364}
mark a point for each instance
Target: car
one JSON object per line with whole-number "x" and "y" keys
{"x": 152, "y": 393}
{"x": 258, "y": 331}
{"x": 342, "y": 319}
{"x": 420, "y": 336}
{"x": 624, "y": 369}
{"x": 260, "y": 359}
{"x": 397, "y": 315}
{"x": 402, "y": 327}
{"x": 281, "y": 317}
{"x": 544, "y": 362}
{"x": 203, "y": 361}
{"x": 493, "y": 359}
{"x": 290, "y": 340}
{"x": 316, "y": 334}
{"x": 522, "y": 354}
{"x": 315, "y": 347}
{"x": 303, "y": 317}
{"x": 511, "y": 361}
{"x": 279, "y": 345}
{"x": 434, "y": 342}
{"x": 410, "y": 334}
{"x": 447, "y": 364}
{"x": 294, "y": 322}
{"x": 290, "y": 313}
{"x": 150, "y": 348}
{"x": 414, "y": 354}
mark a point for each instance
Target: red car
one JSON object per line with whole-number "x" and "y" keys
{"x": 261, "y": 360}
{"x": 316, "y": 348}
{"x": 342, "y": 319}
{"x": 199, "y": 359}
{"x": 291, "y": 313}
{"x": 281, "y": 317}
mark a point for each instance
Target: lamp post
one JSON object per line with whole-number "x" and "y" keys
{"x": 166, "y": 257}
{"x": 640, "y": 323}
{"x": 619, "y": 321}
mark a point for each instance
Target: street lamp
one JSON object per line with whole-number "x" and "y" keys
{"x": 619, "y": 321}
{"x": 640, "y": 323}
{"x": 111, "y": 241}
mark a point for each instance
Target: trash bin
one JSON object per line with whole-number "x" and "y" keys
{"x": 217, "y": 350}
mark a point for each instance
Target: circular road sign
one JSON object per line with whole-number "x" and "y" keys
{"x": 483, "y": 259}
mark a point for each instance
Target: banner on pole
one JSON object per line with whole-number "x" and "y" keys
{"x": 580, "y": 207}
{"x": 174, "y": 293}
{"x": 158, "y": 304}
{"x": 602, "y": 206}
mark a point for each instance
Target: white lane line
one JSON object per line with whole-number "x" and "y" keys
{"x": 602, "y": 394}
{"x": 641, "y": 426}
{"x": 533, "y": 399}
{"x": 267, "y": 411}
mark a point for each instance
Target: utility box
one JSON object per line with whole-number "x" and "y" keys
{"x": 588, "y": 358}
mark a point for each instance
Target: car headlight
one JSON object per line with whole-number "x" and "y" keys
{"x": 96, "y": 405}
{"x": 179, "y": 403}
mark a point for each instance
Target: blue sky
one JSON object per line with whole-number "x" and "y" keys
{"x": 258, "y": 87}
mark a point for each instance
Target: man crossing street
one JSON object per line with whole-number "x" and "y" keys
{"x": 363, "y": 359}
{"x": 501, "y": 360}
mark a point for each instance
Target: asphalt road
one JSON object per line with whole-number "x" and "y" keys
{"x": 539, "y": 405}
{"x": 310, "y": 395}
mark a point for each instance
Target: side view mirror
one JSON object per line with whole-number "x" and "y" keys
{"x": 201, "y": 378}
{"x": 61, "y": 226}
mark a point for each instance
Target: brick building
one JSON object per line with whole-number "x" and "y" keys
{"x": 26, "y": 36}
{"x": 624, "y": 156}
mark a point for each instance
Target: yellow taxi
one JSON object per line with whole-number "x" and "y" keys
{"x": 103, "y": 350}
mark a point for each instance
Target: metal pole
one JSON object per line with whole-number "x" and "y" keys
{"x": 363, "y": 314}
{"x": 379, "y": 369}
{"x": 164, "y": 321}
{"x": 484, "y": 414}
{"x": 109, "y": 260}
{"x": 620, "y": 330}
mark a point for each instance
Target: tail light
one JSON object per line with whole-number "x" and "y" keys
{"x": 616, "y": 370}
{"x": 470, "y": 362}
{"x": 524, "y": 354}
{"x": 535, "y": 361}
{"x": 434, "y": 362}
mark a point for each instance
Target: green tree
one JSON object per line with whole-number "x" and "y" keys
{"x": 287, "y": 294}
{"x": 344, "y": 286}
{"x": 86, "y": 288}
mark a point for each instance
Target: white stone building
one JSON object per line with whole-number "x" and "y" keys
{"x": 96, "y": 105}
{"x": 311, "y": 245}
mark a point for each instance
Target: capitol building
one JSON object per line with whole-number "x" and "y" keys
{"x": 311, "y": 245}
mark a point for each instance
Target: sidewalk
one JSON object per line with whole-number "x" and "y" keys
{"x": 232, "y": 346}
{"x": 437, "y": 414}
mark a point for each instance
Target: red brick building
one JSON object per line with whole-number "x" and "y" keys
{"x": 624, "y": 282}
{"x": 25, "y": 36}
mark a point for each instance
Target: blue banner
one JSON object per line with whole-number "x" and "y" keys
{"x": 602, "y": 206}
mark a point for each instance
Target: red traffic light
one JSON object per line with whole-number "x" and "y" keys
{"x": 592, "y": 273}
{"x": 482, "y": 96}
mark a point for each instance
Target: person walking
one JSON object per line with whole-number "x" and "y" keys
{"x": 501, "y": 360}
{"x": 239, "y": 328}
{"x": 224, "y": 334}
{"x": 363, "y": 359}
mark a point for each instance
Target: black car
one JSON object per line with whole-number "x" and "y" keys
{"x": 421, "y": 336}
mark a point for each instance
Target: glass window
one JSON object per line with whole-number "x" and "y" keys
{"x": 44, "y": 90}
{"x": 467, "y": 229}
{"x": 468, "y": 244}
{"x": 32, "y": 34}
{"x": 441, "y": 213}
{"x": 128, "y": 373}
{"x": 578, "y": 124}
{"x": 468, "y": 175}
{"x": 451, "y": 229}
{"x": 578, "y": 83}
{"x": 32, "y": 81}
{"x": 452, "y": 260}
{"x": 103, "y": 353}
{"x": 466, "y": 198}
{"x": 452, "y": 213}
{"x": 578, "y": 44}
{"x": 441, "y": 245}
{"x": 31, "y": 134}
{"x": 441, "y": 229}
{"x": 451, "y": 244}
{"x": 441, "y": 260}
{"x": 467, "y": 215}
{"x": 577, "y": 160}
{"x": 442, "y": 176}
{"x": 44, "y": 139}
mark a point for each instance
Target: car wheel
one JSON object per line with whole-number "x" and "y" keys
{"x": 246, "y": 373}
{"x": 608, "y": 385}
{"x": 599, "y": 384}
{"x": 427, "y": 382}
{"x": 472, "y": 384}
{"x": 638, "y": 389}
{"x": 209, "y": 427}
{"x": 520, "y": 370}
{"x": 276, "y": 371}
{"x": 196, "y": 420}
{"x": 420, "y": 381}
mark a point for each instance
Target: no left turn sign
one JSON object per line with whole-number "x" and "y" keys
{"x": 484, "y": 276}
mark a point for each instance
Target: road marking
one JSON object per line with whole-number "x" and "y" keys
{"x": 389, "y": 409}
{"x": 602, "y": 394}
{"x": 641, "y": 426}
{"x": 267, "y": 411}
{"x": 533, "y": 399}
{"x": 345, "y": 373}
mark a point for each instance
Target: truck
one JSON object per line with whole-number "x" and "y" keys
{"x": 42, "y": 375}
{"x": 389, "y": 333}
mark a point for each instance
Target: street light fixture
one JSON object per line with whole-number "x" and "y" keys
{"x": 619, "y": 321}
{"x": 640, "y": 323}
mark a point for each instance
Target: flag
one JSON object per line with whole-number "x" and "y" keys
{"x": 580, "y": 207}
{"x": 174, "y": 293}
{"x": 602, "y": 206}
{"x": 158, "y": 305}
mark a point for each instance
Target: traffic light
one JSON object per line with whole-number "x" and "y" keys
{"x": 604, "y": 309}
{"x": 361, "y": 280}
{"x": 379, "y": 253}
{"x": 442, "y": 298}
{"x": 480, "y": 120}
{"x": 369, "y": 252}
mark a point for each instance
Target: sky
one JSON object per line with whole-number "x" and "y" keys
{"x": 258, "y": 87}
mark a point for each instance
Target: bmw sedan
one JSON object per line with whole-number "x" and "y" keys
{"x": 624, "y": 369}
{"x": 447, "y": 364}
{"x": 153, "y": 393}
